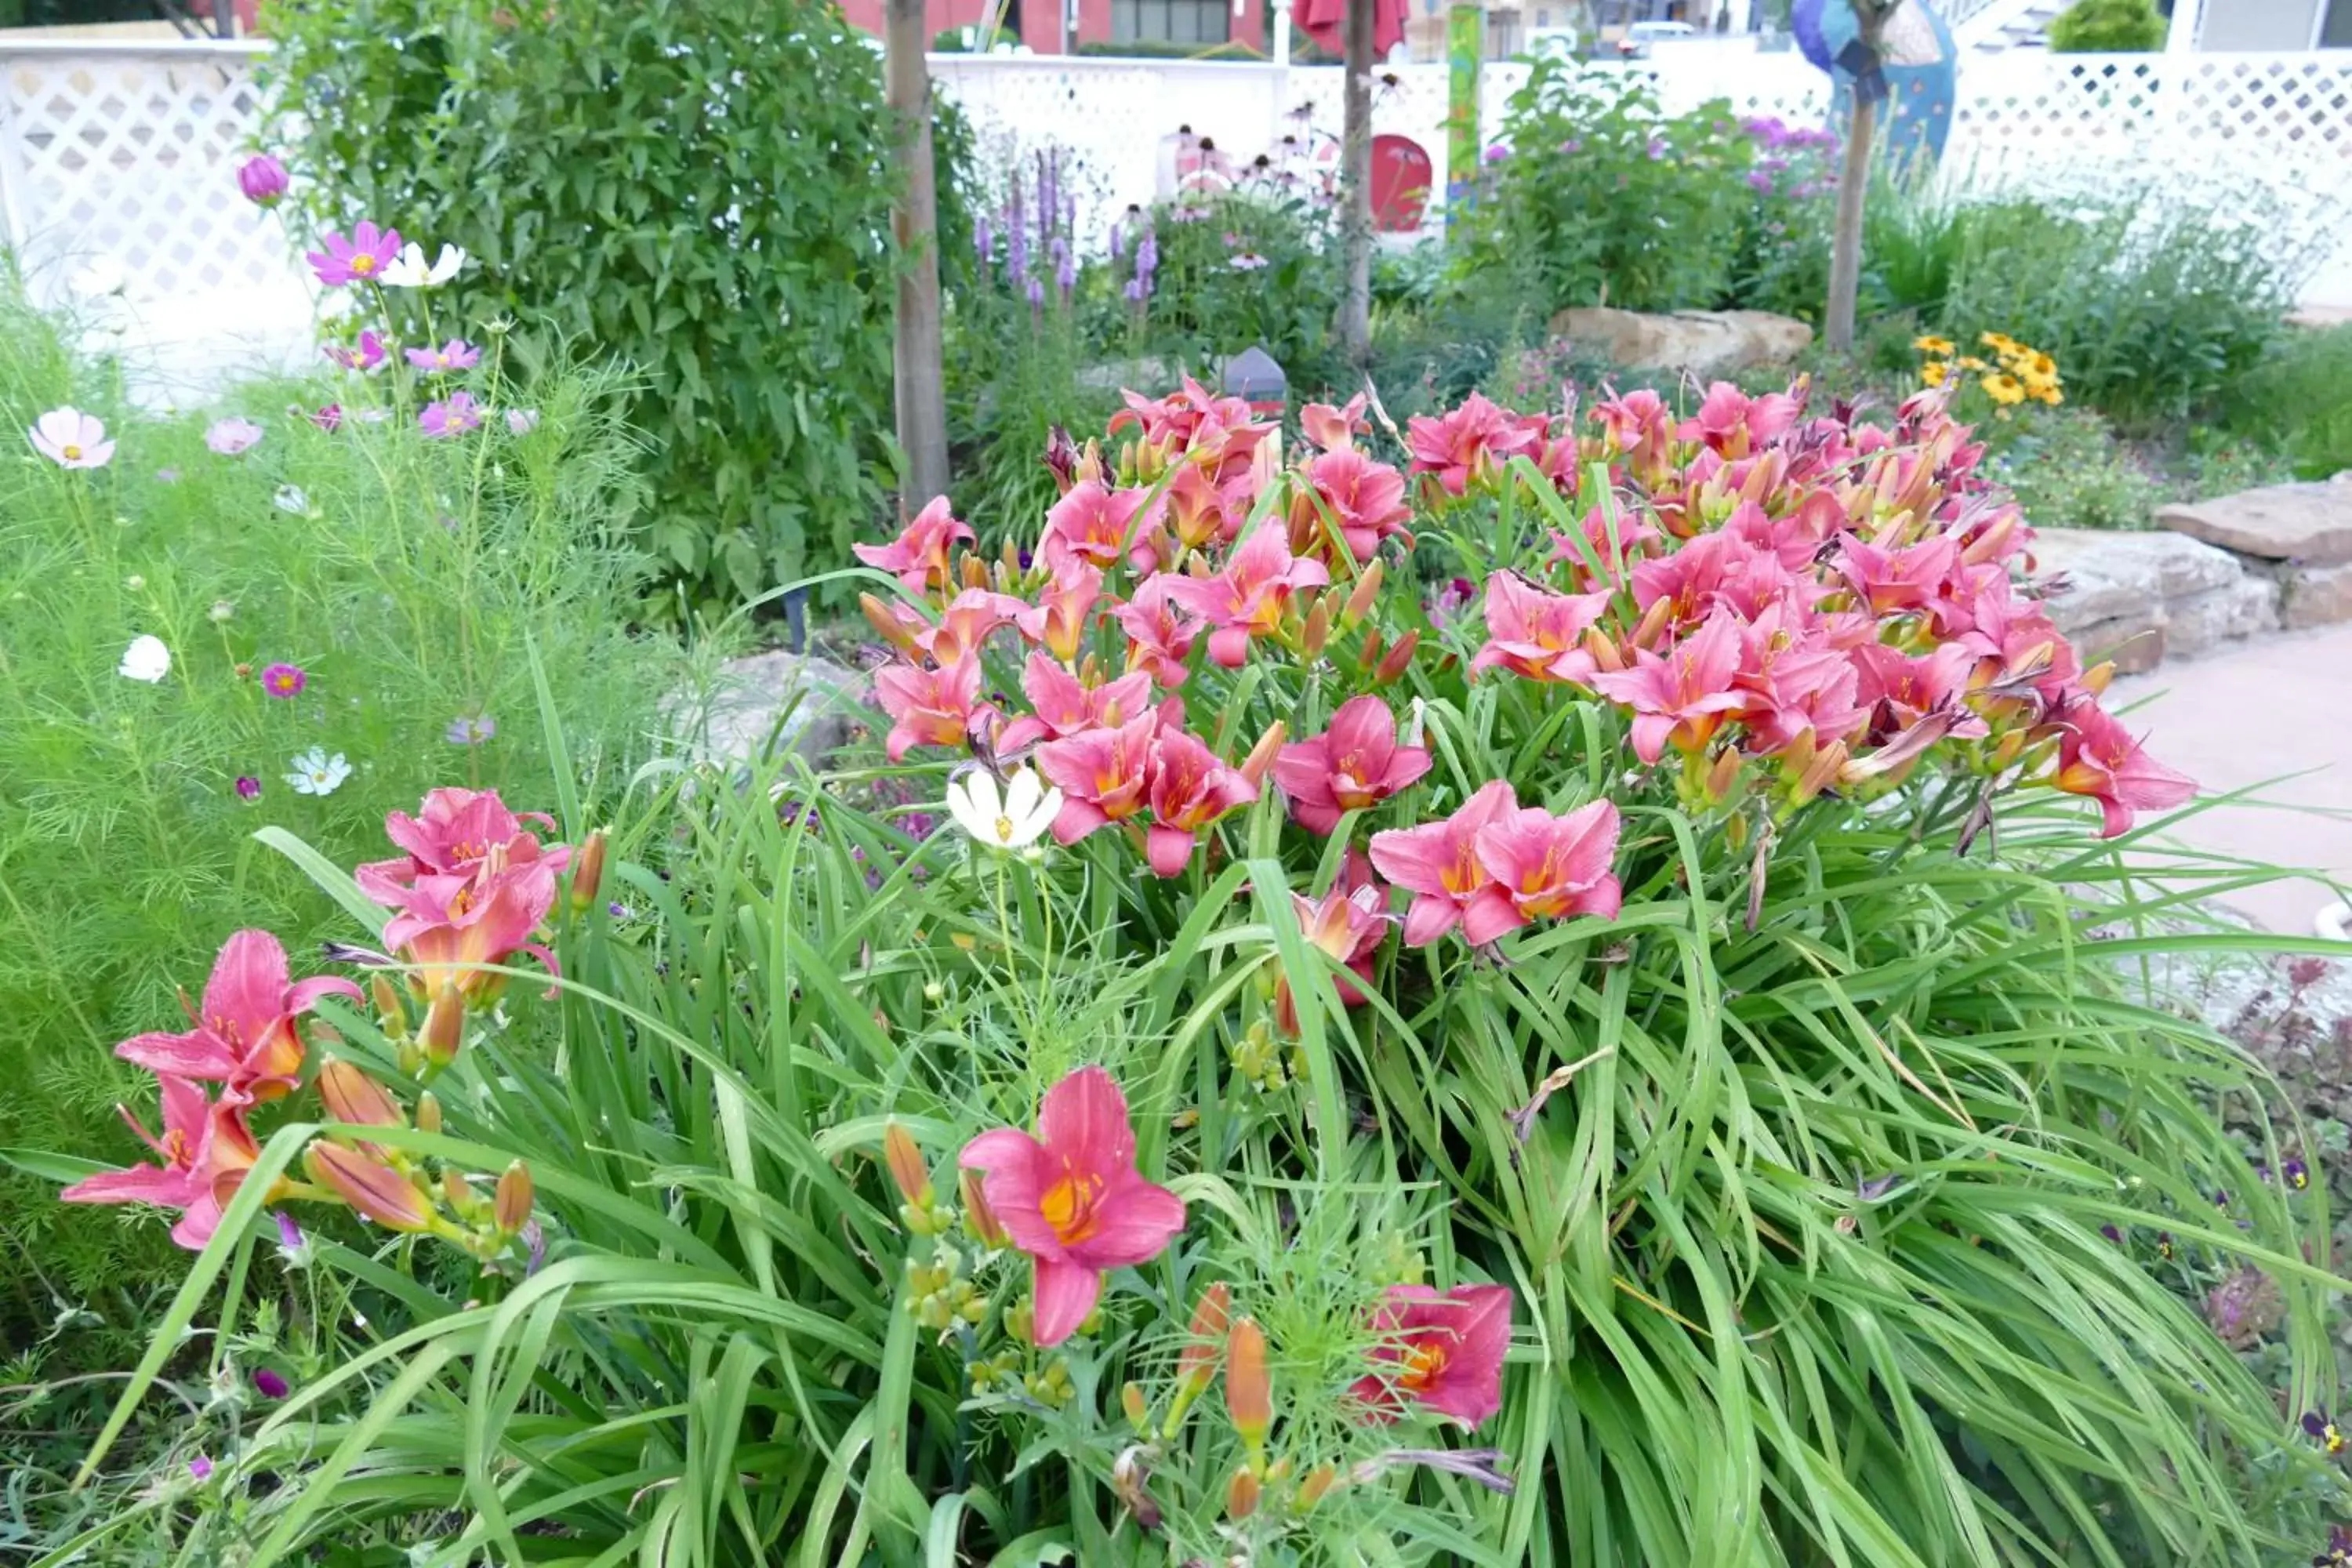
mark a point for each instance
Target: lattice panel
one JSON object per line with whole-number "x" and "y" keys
{"x": 122, "y": 164}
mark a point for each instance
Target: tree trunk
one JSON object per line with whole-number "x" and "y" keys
{"x": 1845, "y": 243}
{"x": 914, "y": 220}
{"x": 1356, "y": 175}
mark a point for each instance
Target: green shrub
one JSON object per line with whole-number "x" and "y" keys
{"x": 2108, "y": 27}
{"x": 2299, "y": 400}
{"x": 1855, "y": 1191}
{"x": 404, "y": 583}
{"x": 699, "y": 187}
{"x": 2070, "y": 471}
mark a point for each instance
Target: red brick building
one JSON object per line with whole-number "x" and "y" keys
{"x": 1063, "y": 26}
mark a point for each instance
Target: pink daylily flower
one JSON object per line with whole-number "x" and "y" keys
{"x": 1365, "y": 501}
{"x": 1160, "y": 634}
{"x": 1438, "y": 863}
{"x": 456, "y": 833}
{"x": 1092, "y": 524}
{"x": 1899, "y": 581}
{"x": 971, "y": 617}
{"x": 1537, "y": 633}
{"x": 1348, "y": 924}
{"x": 244, "y": 1034}
{"x": 454, "y": 928}
{"x": 1354, "y": 764}
{"x": 930, "y": 707}
{"x": 1248, "y": 598}
{"x": 1335, "y": 429}
{"x": 1638, "y": 427}
{"x": 1191, "y": 787}
{"x": 184, "y": 1180}
{"x": 918, "y": 556}
{"x": 1103, "y": 775}
{"x": 2097, "y": 757}
{"x": 1199, "y": 513}
{"x": 1546, "y": 867}
{"x": 1441, "y": 1352}
{"x": 359, "y": 259}
{"x": 1179, "y": 416}
{"x": 1064, "y": 706}
{"x": 1466, "y": 443}
{"x": 1072, "y": 1198}
{"x": 1058, "y": 620}
{"x": 1683, "y": 695}
{"x": 1733, "y": 424}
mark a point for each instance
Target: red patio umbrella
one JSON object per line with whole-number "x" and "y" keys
{"x": 1322, "y": 20}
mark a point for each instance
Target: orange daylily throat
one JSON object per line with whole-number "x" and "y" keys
{"x": 1069, "y": 1206}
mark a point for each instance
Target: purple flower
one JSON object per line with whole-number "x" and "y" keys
{"x": 1761, "y": 182}
{"x": 248, "y": 787}
{"x": 369, "y": 354}
{"x": 1496, "y": 153}
{"x": 521, "y": 421}
{"x": 262, "y": 180}
{"x": 329, "y": 418}
{"x": 2338, "y": 1552}
{"x": 285, "y": 680}
{"x": 1657, "y": 149}
{"x": 2295, "y": 1175}
{"x": 201, "y": 1467}
{"x": 1036, "y": 290}
{"x": 1247, "y": 261}
{"x": 471, "y": 730}
{"x": 455, "y": 354}
{"x": 2112, "y": 1234}
{"x": 290, "y": 1234}
{"x": 361, "y": 259}
{"x": 272, "y": 1384}
{"x": 1572, "y": 147}
{"x": 452, "y": 416}
{"x": 233, "y": 434}
{"x": 619, "y": 910}
{"x": 1117, "y": 238}
{"x": 1134, "y": 291}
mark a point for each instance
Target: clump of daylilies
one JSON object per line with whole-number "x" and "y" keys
{"x": 1070, "y": 1203}
{"x": 471, "y": 891}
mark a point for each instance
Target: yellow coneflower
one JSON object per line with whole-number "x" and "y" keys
{"x": 1933, "y": 372}
{"x": 1971, "y": 361}
{"x": 1940, "y": 347}
{"x": 2004, "y": 389}
{"x": 2000, "y": 342}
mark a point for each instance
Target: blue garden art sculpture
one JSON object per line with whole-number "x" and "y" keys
{"x": 1919, "y": 64}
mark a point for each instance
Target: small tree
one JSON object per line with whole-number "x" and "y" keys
{"x": 2108, "y": 27}
{"x": 1854, "y": 180}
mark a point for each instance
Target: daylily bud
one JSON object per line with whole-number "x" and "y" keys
{"x": 1261, "y": 755}
{"x": 1131, "y": 1405}
{"x": 2006, "y": 749}
{"x": 1360, "y": 600}
{"x": 1249, "y": 1389}
{"x": 372, "y": 1188}
{"x": 1723, "y": 777}
{"x": 429, "y": 1112}
{"x": 1061, "y": 458}
{"x": 1317, "y": 629}
{"x": 1319, "y": 1479}
{"x": 512, "y": 1209}
{"x": 891, "y": 629}
{"x": 1653, "y": 623}
{"x": 1826, "y": 766}
{"x": 2095, "y": 680}
{"x": 388, "y": 1010}
{"x": 1242, "y": 1494}
{"x": 907, "y": 1166}
{"x": 1397, "y": 658}
{"x": 349, "y": 1095}
{"x": 445, "y": 1027}
{"x": 975, "y": 574}
{"x": 1372, "y": 649}
{"x": 978, "y": 1217}
{"x": 1602, "y": 649}
{"x": 457, "y": 1190}
{"x": 588, "y": 874}
{"x": 1212, "y": 1317}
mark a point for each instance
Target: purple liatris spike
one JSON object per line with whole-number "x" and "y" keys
{"x": 984, "y": 238}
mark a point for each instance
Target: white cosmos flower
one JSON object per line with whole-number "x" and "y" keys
{"x": 407, "y": 270}
{"x": 315, "y": 773}
{"x": 145, "y": 659}
{"x": 1011, "y": 821}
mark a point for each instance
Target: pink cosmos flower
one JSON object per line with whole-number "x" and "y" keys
{"x": 244, "y": 1034}
{"x": 328, "y": 417}
{"x": 71, "y": 440}
{"x": 1248, "y": 598}
{"x": 1159, "y": 635}
{"x": 1348, "y": 924}
{"x": 2097, "y": 757}
{"x": 1191, "y": 787}
{"x": 1466, "y": 443}
{"x": 521, "y": 421}
{"x": 1364, "y": 500}
{"x": 1091, "y": 524}
{"x": 283, "y": 680}
{"x": 1072, "y": 1198}
{"x": 1438, "y": 863}
{"x": 262, "y": 180}
{"x": 1537, "y": 633}
{"x": 370, "y": 352}
{"x": 1059, "y": 618}
{"x": 1546, "y": 867}
{"x": 1682, "y": 696}
{"x": 248, "y": 788}
{"x": 361, "y": 259}
{"x": 1441, "y": 1352}
{"x": 930, "y": 707}
{"x": 451, "y": 416}
{"x": 1103, "y": 775}
{"x": 1063, "y": 706}
{"x": 231, "y": 436}
{"x": 1356, "y": 763}
{"x": 455, "y": 354}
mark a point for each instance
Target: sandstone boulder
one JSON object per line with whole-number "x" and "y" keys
{"x": 2310, "y": 525}
{"x": 1704, "y": 342}
{"x": 2136, "y": 597}
{"x": 770, "y": 703}
{"x": 2318, "y": 596}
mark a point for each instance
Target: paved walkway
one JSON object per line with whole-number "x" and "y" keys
{"x": 2265, "y": 709}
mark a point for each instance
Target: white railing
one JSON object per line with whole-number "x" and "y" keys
{"x": 117, "y": 162}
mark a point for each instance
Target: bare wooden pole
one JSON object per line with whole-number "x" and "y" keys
{"x": 1853, "y": 185}
{"x": 914, "y": 219}
{"x": 1356, "y": 178}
